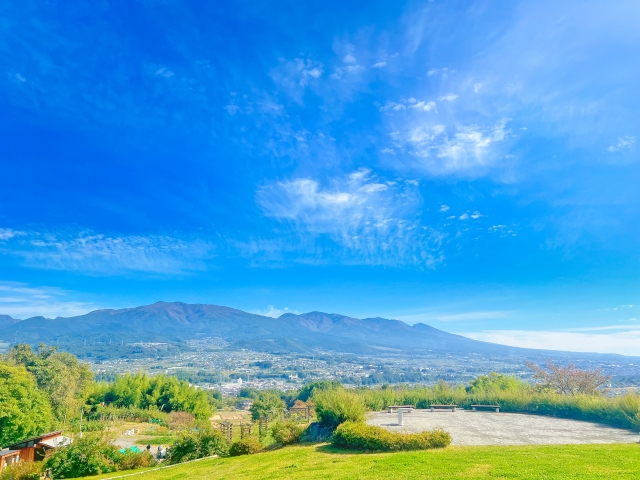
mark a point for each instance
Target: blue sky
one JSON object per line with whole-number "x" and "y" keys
{"x": 470, "y": 164}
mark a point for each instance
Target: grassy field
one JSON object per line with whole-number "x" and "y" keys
{"x": 564, "y": 462}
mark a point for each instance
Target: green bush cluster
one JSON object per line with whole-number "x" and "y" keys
{"x": 246, "y": 446}
{"x": 337, "y": 405}
{"x": 93, "y": 455}
{"x": 198, "y": 444}
{"x": 22, "y": 471}
{"x": 287, "y": 432}
{"x": 360, "y": 436}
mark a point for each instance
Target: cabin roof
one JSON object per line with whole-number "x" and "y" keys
{"x": 34, "y": 440}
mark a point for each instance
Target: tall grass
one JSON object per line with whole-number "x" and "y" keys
{"x": 623, "y": 411}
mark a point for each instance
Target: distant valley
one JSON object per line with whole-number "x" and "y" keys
{"x": 208, "y": 342}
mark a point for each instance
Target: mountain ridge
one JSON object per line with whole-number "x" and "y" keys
{"x": 180, "y": 322}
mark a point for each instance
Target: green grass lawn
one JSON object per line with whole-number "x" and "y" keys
{"x": 158, "y": 440}
{"x": 564, "y": 462}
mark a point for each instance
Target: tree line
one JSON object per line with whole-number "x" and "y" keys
{"x": 43, "y": 388}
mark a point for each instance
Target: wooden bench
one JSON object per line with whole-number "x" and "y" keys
{"x": 443, "y": 407}
{"x": 396, "y": 407}
{"x": 492, "y": 407}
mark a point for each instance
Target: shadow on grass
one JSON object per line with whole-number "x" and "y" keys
{"x": 328, "y": 448}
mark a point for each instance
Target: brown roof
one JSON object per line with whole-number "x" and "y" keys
{"x": 34, "y": 440}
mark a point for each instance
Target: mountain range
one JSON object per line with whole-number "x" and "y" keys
{"x": 178, "y": 322}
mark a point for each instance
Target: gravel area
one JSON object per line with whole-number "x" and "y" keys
{"x": 490, "y": 428}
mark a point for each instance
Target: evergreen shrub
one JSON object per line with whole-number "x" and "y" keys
{"x": 246, "y": 446}
{"x": 287, "y": 432}
{"x": 337, "y": 405}
{"x": 360, "y": 436}
{"x": 203, "y": 443}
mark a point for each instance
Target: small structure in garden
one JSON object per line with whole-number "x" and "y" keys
{"x": 303, "y": 409}
{"x": 8, "y": 457}
{"x": 263, "y": 426}
{"x": 227, "y": 430}
{"x": 34, "y": 449}
{"x": 246, "y": 429}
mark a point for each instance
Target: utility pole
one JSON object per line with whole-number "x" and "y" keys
{"x": 81, "y": 412}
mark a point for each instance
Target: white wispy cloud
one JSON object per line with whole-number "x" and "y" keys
{"x": 341, "y": 72}
{"x": 373, "y": 219}
{"x": 164, "y": 72}
{"x": 23, "y": 301}
{"x": 449, "y": 97}
{"x": 379, "y": 65}
{"x": 8, "y": 233}
{"x": 296, "y": 75}
{"x": 444, "y": 72}
{"x": 623, "y": 142}
{"x": 272, "y": 311}
{"x": 419, "y": 105}
{"x": 109, "y": 254}
{"x": 349, "y": 58}
{"x": 444, "y": 208}
{"x": 625, "y": 343}
{"x": 467, "y": 150}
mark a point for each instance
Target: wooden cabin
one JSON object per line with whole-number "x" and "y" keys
{"x": 34, "y": 449}
{"x": 8, "y": 457}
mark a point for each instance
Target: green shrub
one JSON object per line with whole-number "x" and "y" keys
{"x": 91, "y": 455}
{"x": 203, "y": 443}
{"x": 246, "y": 446}
{"x": 288, "y": 432}
{"x": 360, "y": 436}
{"x": 22, "y": 471}
{"x": 337, "y": 405}
{"x": 130, "y": 460}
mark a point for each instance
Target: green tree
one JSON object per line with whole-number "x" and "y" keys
{"x": 495, "y": 383}
{"x": 307, "y": 391}
{"x": 142, "y": 391}
{"x": 24, "y": 410}
{"x": 268, "y": 404}
{"x": 337, "y": 405}
{"x": 60, "y": 375}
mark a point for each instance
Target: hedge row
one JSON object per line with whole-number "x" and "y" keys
{"x": 360, "y": 436}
